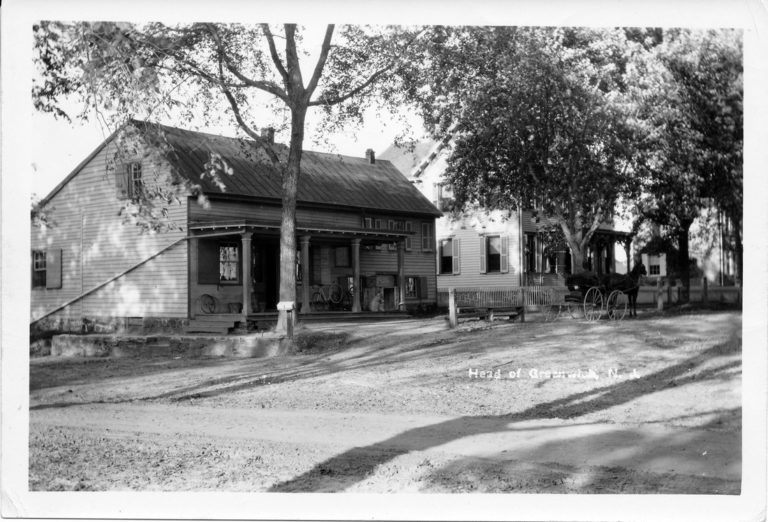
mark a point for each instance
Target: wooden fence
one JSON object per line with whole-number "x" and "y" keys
{"x": 501, "y": 297}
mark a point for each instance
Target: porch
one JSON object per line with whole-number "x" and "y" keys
{"x": 235, "y": 266}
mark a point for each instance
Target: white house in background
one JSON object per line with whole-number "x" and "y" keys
{"x": 498, "y": 248}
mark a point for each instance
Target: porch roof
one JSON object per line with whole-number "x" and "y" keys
{"x": 273, "y": 228}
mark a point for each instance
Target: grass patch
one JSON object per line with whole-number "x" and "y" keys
{"x": 319, "y": 342}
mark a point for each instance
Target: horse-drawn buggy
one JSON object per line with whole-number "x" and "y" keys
{"x": 612, "y": 295}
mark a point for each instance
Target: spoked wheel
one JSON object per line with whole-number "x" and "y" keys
{"x": 617, "y": 305}
{"x": 336, "y": 294}
{"x": 593, "y": 304}
{"x": 207, "y": 303}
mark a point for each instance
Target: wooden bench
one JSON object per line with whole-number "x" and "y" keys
{"x": 486, "y": 303}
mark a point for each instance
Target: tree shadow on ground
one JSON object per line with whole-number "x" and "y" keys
{"x": 344, "y": 470}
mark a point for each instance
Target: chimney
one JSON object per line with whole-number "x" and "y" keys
{"x": 370, "y": 156}
{"x": 268, "y": 133}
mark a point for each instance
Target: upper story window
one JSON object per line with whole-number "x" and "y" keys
{"x": 443, "y": 199}
{"x": 135, "y": 182}
{"x": 654, "y": 269}
{"x": 38, "y": 269}
{"x": 129, "y": 180}
{"x": 426, "y": 237}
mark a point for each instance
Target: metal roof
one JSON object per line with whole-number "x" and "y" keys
{"x": 327, "y": 179}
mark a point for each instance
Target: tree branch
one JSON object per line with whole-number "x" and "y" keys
{"x": 326, "y": 47}
{"x": 265, "y": 86}
{"x": 273, "y": 53}
{"x": 373, "y": 78}
{"x": 339, "y": 99}
{"x": 265, "y": 146}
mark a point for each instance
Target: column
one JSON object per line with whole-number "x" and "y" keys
{"x": 401, "y": 274}
{"x": 356, "y": 274}
{"x": 305, "y": 274}
{"x": 627, "y": 244}
{"x": 246, "y": 240}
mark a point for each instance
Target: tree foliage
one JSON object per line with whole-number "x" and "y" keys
{"x": 539, "y": 119}
{"x": 691, "y": 116}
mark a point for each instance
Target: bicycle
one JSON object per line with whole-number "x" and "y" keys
{"x": 328, "y": 296}
{"x": 324, "y": 296}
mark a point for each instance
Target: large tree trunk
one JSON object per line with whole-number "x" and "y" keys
{"x": 288, "y": 226}
{"x": 683, "y": 265}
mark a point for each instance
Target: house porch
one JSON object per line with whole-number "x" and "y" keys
{"x": 234, "y": 269}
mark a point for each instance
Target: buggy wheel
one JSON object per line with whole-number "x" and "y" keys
{"x": 593, "y": 304}
{"x": 617, "y": 305}
{"x": 207, "y": 303}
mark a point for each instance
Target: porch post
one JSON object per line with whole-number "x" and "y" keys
{"x": 401, "y": 274}
{"x": 356, "y": 274}
{"x": 305, "y": 274}
{"x": 246, "y": 240}
{"x": 627, "y": 244}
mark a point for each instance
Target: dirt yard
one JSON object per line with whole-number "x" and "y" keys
{"x": 648, "y": 405}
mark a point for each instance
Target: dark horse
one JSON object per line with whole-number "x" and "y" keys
{"x": 627, "y": 283}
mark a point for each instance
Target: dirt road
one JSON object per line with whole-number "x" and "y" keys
{"x": 649, "y": 406}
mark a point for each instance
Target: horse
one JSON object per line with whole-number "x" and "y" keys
{"x": 627, "y": 283}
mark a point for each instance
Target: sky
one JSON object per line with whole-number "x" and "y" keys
{"x": 67, "y": 144}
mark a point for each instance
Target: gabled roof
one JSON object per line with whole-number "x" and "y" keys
{"x": 328, "y": 179}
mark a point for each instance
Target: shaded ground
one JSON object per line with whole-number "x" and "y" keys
{"x": 402, "y": 406}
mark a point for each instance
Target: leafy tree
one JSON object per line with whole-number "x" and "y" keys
{"x": 538, "y": 118}
{"x": 692, "y": 120}
{"x": 191, "y": 72}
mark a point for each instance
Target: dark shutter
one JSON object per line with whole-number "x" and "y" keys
{"x": 456, "y": 256}
{"x": 483, "y": 256}
{"x": 53, "y": 268}
{"x": 423, "y": 288}
{"x": 504, "y": 254}
{"x": 207, "y": 262}
{"x": 121, "y": 180}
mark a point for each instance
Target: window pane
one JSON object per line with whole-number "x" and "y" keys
{"x": 446, "y": 256}
{"x": 228, "y": 263}
{"x": 493, "y": 253}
